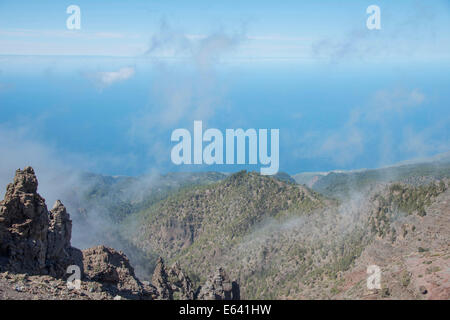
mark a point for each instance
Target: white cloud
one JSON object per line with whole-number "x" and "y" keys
{"x": 192, "y": 93}
{"x": 411, "y": 34}
{"x": 105, "y": 79}
{"x": 344, "y": 145}
{"x": 373, "y": 124}
{"x": 422, "y": 143}
{"x": 22, "y": 149}
{"x": 201, "y": 48}
{"x": 186, "y": 88}
{"x": 398, "y": 99}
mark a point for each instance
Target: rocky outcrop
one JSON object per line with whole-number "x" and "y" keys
{"x": 172, "y": 283}
{"x": 181, "y": 284}
{"x": 160, "y": 280}
{"x": 36, "y": 242}
{"x": 24, "y": 225}
{"x": 112, "y": 269}
{"x": 219, "y": 287}
{"x": 60, "y": 253}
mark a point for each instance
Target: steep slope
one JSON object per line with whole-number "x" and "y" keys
{"x": 403, "y": 228}
{"x": 124, "y": 195}
{"x": 411, "y": 228}
{"x": 99, "y": 203}
{"x": 200, "y": 226}
{"x": 281, "y": 240}
{"x": 342, "y": 184}
{"x": 36, "y": 242}
{"x": 36, "y": 251}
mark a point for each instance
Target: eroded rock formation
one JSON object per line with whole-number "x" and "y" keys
{"x": 219, "y": 287}
{"x": 112, "y": 269}
{"x": 24, "y": 227}
{"x": 172, "y": 283}
{"x": 36, "y": 241}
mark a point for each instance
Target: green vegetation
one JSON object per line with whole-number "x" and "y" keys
{"x": 277, "y": 238}
{"x": 402, "y": 199}
{"x": 405, "y": 278}
{"x": 343, "y": 185}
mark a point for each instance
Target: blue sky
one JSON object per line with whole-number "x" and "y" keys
{"x": 268, "y": 28}
{"x": 106, "y": 98}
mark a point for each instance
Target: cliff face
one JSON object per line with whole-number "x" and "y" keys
{"x": 219, "y": 287}
{"x": 198, "y": 226}
{"x": 35, "y": 244}
{"x": 279, "y": 240}
{"x": 113, "y": 271}
{"x": 33, "y": 239}
{"x": 173, "y": 283}
{"x": 284, "y": 241}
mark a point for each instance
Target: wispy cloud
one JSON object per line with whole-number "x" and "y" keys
{"x": 411, "y": 34}
{"x": 25, "y": 149}
{"x": 104, "y": 79}
{"x": 68, "y": 42}
{"x": 168, "y": 42}
{"x": 371, "y": 124}
{"x": 396, "y": 100}
{"x": 192, "y": 93}
{"x": 421, "y": 143}
{"x": 36, "y": 33}
{"x": 187, "y": 88}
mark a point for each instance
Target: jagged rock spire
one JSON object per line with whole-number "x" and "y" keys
{"x": 172, "y": 283}
{"x": 59, "y": 234}
{"x": 181, "y": 284}
{"x": 160, "y": 280}
{"x": 219, "y": 287}
{"x": 24, "y": 181}
{"x": 32, "y": 239}
{"x": 24, "y": 225}
{"x": 36, "y": 241}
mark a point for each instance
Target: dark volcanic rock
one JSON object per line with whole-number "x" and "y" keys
{"x": 160, "y": 280}
{"x": 172, "y": 283}
{"x": 219, "y": 287}
{"x": 24, "y": 223}
{"x": 113, "y": 270}
{"x": 59, "y": 250}
{"x": 181, "y": 284}
{"x": 36, "y": 242}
